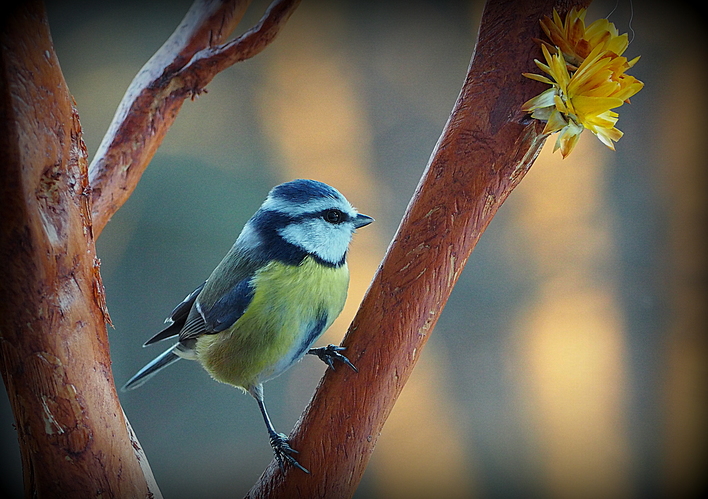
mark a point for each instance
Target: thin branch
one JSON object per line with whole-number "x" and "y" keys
{"x": 251, "y": 43}
{"x": 181, "y": 68}
{"x": 485, "y": 150}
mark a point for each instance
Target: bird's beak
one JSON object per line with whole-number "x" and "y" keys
{"x": 362, "y": 220}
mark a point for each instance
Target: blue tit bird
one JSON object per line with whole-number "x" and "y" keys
{"x": 280, "y": 286}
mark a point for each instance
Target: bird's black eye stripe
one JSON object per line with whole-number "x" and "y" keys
{"x": 334, "y": 216}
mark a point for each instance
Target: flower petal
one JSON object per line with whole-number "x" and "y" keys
{"x": 536, "y": 77}
{"x": 587, "y": 74}
{"x": 543, "y": 99}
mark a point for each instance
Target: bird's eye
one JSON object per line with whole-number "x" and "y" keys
{"x": 334, "y": 216}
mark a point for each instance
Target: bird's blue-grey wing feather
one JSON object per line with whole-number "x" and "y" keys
{"x": 222, "y": 301}
{"x": 221, "y": 315}
{"x": 229, "y": 308}
{"x": 177, "y": 318}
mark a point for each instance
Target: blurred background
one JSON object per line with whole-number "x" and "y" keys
{"x": 571, "y": 358}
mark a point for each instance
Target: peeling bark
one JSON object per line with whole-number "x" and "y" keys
{"x": 75, "y": 440}
{"x": 181, "y": 68}
{"x": 54, "y": 356}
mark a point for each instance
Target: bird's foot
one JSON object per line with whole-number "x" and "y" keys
{"x": 330, "y": 353}
{"x": 283, "y": 451}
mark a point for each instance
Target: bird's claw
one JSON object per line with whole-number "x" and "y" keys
{"x": 330, "y": 353}
{"x": 283, "y": 452}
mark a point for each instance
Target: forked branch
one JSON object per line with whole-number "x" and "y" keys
{"x": 54, "y": 357}
{"x": 181, "y": 68}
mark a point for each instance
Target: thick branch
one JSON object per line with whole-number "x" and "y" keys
{"x": 74, "y": 439}
{"x": 181, "y": 68}
{"x": 485, "y": 150}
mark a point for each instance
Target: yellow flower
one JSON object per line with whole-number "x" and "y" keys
{"x": 588, "y": 79}
{"x": 575, "y": 41}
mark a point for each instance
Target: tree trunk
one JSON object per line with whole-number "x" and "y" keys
{"x": 74, "y": 438}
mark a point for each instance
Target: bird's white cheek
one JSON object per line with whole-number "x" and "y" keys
{"x": 328, "y": 242}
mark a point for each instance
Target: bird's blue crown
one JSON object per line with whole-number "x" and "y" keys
{"x": 301, "y": 191}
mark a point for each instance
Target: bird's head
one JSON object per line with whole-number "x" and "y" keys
{"x": 304, "y": 217}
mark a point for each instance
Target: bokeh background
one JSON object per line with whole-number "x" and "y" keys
{"x": 571, "y": 358}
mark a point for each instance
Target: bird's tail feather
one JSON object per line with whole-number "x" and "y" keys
{"x": 157, "y": 364}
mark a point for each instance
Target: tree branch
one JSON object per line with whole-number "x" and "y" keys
{"x": 74, "y": 438}
{"x": 181, "y": 68}
{"x": 485, "y": 150}
{"x": 212, "y": 60}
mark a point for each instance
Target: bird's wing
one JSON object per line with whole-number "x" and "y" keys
{"x": 230, "y": 307}
{"x": 220, "y": 305}
{"x": 177, "y": 318}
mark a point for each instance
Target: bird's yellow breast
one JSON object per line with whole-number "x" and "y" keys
{"x": 289, "y": 304}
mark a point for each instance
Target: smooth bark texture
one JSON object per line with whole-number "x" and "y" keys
{"x": 181, "y": 68}
{"x": 54, "y": 356}
{"x": 485, "y": 149}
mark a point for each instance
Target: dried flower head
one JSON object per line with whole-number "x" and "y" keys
{"x": 587, "y": 74}
{"x": 576, "y": 41}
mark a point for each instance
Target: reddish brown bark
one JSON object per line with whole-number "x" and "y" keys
{"x": 181, "y": 68}
{"x": 54, "y": 354}
{"x": 485, "y": 149}
{"x": 74, "y": 438}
